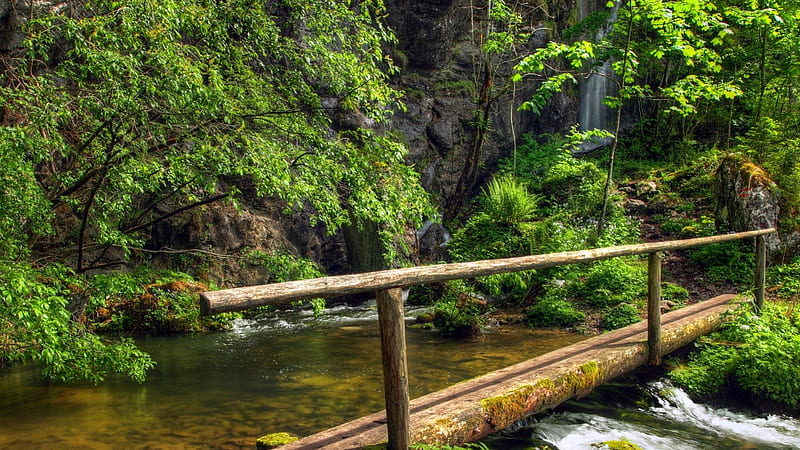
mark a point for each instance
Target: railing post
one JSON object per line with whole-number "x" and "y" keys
{"x": 391, "y": 319}
{"x": 654, "y": 309}
{"x": 761, "y": 270}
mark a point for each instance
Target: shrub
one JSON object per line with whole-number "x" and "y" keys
{"x": 483, "y": 238}
{"x": 620, "y": 229}
{"x": 770, "y": 145}
{"x": 39, "y": 323}
{"x": 540, "y": 236}
{"x": 620, "y": 316}
{"x": 726, "y": 261}
{"x": 565, "y": 235}
{"x": 283, "y": 266}
{"x": 757, "y": 353}
{"x": 613, "y": 281}
{"x": 425, "y": 294}
{"x": 512, "y": 286}
{"x": 533, "y": 159}
{"x": 145, "y": 301}
{"x": 703, "y": 227}
{"x": 459, "y": 313}
{"x": 506, "y": 200}
{"x": 786, "y": 279}
{"x": 553, "y": 311}
{"x": 576, "y": 185}
{"x": 674, "y": 293}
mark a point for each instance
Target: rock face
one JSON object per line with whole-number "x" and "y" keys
{"x": 427, "y": 29}
{"x": 440, "y": 41}
{"x": 14, "y": 13}
{"x": 222, "y": 238}
{"x": 746, "y": 199}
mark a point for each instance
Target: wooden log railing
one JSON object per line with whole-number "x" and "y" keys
{"x": 388, "y": 284}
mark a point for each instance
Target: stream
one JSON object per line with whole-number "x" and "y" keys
{"x": 286, "y": 371}
{"x": 291, "y": 371}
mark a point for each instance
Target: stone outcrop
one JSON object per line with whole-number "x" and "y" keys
{"x": 440, "y": 44}
{"x": 218, "y": 240}
{"x": 427, "y": 30}
{"x": 746, "y": 199}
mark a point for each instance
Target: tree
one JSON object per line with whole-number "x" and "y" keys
{"x": 500, "y": 31}
{"x": 669, "y": 42}
{"x": 35, "y": 324}
{"x": 129, "y": 113}
{"x": 138, "y": 105}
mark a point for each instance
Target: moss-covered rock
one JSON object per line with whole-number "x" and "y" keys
{"x": 746, "y": 198}
{"x": 274, "y": 440}
{"x": 621, "y": 444}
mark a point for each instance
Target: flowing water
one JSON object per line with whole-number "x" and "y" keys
{"x": 283, "y": 372}
{"x": 651, "y": 414}
{"x": 293, "y": 372}
{"x": 598, "y": 84}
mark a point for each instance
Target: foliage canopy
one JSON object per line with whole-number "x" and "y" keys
{"x": 121, "y": 115}
{"x": 132, "y": 112}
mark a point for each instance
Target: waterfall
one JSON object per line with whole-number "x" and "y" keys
{"x": 593, "y": 114}
{"x": 600, "y": 83}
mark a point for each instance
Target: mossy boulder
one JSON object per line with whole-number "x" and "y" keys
{"x": 746, "y": 198}
{"x": 621, "y": 444}
{"x": 274, "y": 440}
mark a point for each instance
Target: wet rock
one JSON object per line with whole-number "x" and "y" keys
{"x": 440, "y": 134}
{"x": 431, "y": 241}
{"x": 426, "y": 317}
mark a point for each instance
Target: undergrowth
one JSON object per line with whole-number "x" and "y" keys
{"x": 756, "y": 353}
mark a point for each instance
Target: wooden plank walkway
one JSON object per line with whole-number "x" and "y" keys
{"x": 473, "y": 409}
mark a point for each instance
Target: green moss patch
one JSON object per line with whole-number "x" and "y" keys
{"x": 274, "y": 440}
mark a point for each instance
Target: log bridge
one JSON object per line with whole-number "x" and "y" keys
{"x": 471, "y": 410}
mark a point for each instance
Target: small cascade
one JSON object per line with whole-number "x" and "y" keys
{"x": 616, "y": 412}
{"x": 593, "y": 114}
{"x": 768, "y": 431}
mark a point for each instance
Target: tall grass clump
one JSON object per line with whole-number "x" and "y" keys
{"x": 506, "y": 200}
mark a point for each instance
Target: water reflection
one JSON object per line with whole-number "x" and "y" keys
{"x": 283, "y": 372}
